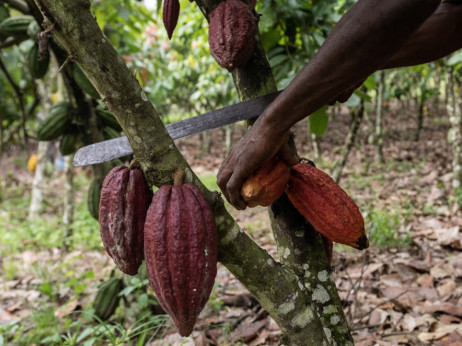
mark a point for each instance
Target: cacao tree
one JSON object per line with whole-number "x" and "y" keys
{"x": 303, "y": 314}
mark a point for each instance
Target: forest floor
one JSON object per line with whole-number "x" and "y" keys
{"x": 405, "y": 289}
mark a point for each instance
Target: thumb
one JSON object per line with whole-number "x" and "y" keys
{"x": 287, "y": 155}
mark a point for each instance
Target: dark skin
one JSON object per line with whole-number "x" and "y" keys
{"x": 372, "y": 35}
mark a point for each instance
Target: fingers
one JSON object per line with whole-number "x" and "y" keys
{"x": 230, "y": 182}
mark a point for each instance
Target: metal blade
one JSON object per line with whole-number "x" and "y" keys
{"x": 118, "y": 147}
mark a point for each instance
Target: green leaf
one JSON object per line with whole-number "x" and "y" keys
{"x": 318, "y": 121}
{"x": 353, "y": 101}
{"x": 455, "y": 58}
{"x": 370, "y": 83}
{"x": 362, "y": 95}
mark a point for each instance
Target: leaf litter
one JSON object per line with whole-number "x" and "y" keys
{"x": 409, "y": 294}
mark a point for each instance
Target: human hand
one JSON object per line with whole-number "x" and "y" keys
{"x": 247, "y": 155}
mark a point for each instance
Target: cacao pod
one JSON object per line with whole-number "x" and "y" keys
{"x": 232, "y": 30}
{"x": 328, "y": 248}
{"x": 32, "y": 163}
{"x": 68, "y": 143}
{"x": 108, "y": 119}
{"x": 38, "y": 67}
{"x": 326, "y": 206}
{"x": 124, "y": 200}
{"x": 15, "y": 26}
{"x": 82, "y": 81}
{"x": 4, "y": 12}
{"x": 93, "y": 197}
{"x": 170, "y": 15}
{"x": 107, "y": 298}
{"x": 266, "y": 184}
{"x": 180, "y": 250}
{"x": 33, "y": 29}
{"x": 56, "y": 122}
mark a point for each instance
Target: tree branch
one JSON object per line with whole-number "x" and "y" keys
{"x": 18, "y": 93}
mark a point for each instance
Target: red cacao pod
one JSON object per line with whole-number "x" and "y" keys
{"x": 266, "y": 184}
{"x": 326, "y": 206}
{"x": 170, "y": 14}
{"x": 232, "y": 31}
{"x": 180, "y": 249}
{"x": 125, "y": 198}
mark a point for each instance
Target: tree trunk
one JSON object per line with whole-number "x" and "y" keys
{"x": 37, "y": 184}
{"x": 316, "y": 143}
{"x": 378, "y": 120}
{"x": 229, "y": 136}
{"x": 44, "y": 91}
{"x": 420, "y": 116}
{"x": 69, "y": 203}
{"x": 277, "y": 286}
{"x": 356, "y": 119}
{"x": 454, "y": 108}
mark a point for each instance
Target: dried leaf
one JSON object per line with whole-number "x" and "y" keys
{"x": 448, "y": 308}
{"x": 446, "y": 288}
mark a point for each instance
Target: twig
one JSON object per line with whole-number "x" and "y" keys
{"x": 18, "y": 93}
{"x": 366, "y": 327}
{"x": 68, "y": 60}
{"x": 353, "y": 285}
{"x": 396, "y": 333}
{"x": 12, "y": 41}
{"x": 375, "y": 307}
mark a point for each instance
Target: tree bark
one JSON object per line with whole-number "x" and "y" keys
{"x": 69, "y": 203}
{"x": 277, "y": 286}
{"x": 454, "y": 108}
{"x": 44, "y": 90}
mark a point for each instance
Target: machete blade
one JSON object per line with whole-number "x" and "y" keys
{"x": 118, "y": 147}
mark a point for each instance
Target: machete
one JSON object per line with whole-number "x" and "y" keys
{"x": 118, "y": 147}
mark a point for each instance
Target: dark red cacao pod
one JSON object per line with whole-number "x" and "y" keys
{"x": 326, "y": 206}
{"x": 266, "y": 184}
{"x": 328, "y": 248}
{"x": 170, "y": 15}
{"x": 125, "y": 198}
{"x": 232, "y": 30}
{"x": 180, "y": 249}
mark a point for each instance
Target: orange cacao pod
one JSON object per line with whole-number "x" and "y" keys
{"x": 266, "y": 184}
{"x": 180, "y": 249}
{"x": 170, "y": 14}
{"x": 125, "y": 198}
{"x": 326, "y": 206}
{"x": 232, "y": 31}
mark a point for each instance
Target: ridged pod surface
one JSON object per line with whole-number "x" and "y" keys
{"x": 56, "y": 122}
{"x": 232, "y": 31}
{"x": 107, "y": 298}
{"x": 266, "y": 184}
{"x": 125, "y": 197}
{"x": 326, "y": 206}
{"x": 170, "y": 14}
{"x": 180, "y": 249}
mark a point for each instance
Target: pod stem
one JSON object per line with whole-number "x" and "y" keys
{"x": 133, "y": 164}
{"x": 178, "y": 176}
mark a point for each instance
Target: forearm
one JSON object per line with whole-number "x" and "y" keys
{"x": 361, "y": 43}
{"x": 439, "y": 35}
